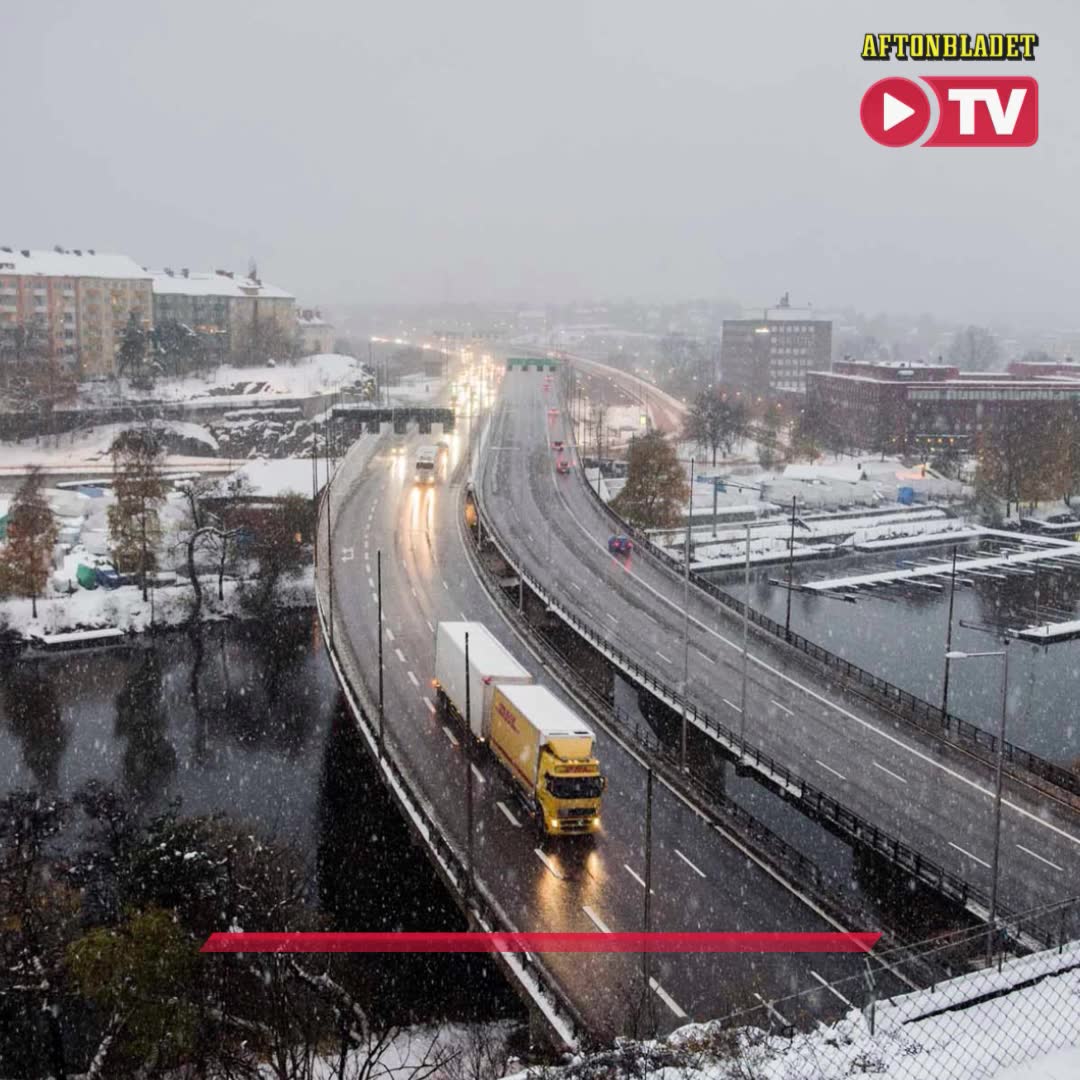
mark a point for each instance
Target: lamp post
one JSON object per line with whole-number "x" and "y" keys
{"x": 998, "y": 771}
{"x": 745, "y": 638}
{"x": 686, "y": 618}
{"x": 382, "y": 711}
{"x": 948, "y": 636}
{"x": 790, "y": 571}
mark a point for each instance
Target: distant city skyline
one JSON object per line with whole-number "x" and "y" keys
{"x": 511, "y": 153}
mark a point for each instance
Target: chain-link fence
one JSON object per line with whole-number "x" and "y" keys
{"x": 987, "y": 1017}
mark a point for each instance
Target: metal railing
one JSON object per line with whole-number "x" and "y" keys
{"x": 563, "y": 1019}
{"x": 810, "y": 799}
{"x": 926, "y": 717}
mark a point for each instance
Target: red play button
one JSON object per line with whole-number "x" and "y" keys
{"x": 895, "y": 112}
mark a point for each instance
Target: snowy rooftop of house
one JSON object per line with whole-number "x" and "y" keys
{"x": 310, "y": 318}
{"x": 850, "y": 474}
{"x": 80, "y": 263}
{"x": 218, "y": 283}
{"x": 273, "y": 478}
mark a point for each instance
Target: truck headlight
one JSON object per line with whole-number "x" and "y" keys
{"x": 553, "y": 823}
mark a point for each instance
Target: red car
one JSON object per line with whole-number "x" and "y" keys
{"x": 558, "y": 444}
{"x": 562, "y": 466}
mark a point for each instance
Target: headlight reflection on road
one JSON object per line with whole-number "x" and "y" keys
{"x": 414, "y": 508}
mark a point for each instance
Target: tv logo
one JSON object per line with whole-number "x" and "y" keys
{"x": 973, "y": 110}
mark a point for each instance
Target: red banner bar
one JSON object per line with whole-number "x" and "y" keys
{"x": 541, "y": 942}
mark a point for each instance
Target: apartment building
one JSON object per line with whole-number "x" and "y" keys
{"x": 315, "y": 333}
{"x": 230, "y": 311}
{"x": 769, "y": 355}
{"x": 79, "y": 300}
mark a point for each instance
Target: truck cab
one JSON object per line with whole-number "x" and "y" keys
{"x": 568, "y": 792}
{"x": 427, "y": 459}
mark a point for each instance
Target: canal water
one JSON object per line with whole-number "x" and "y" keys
{"x": 248, "y": 723}
{"x": 901, "y": 638}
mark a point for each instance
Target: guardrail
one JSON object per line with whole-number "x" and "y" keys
{"x": 811, "y": 800}
{"x": 928, "y": 718}
{"x": 561, "y": 1017}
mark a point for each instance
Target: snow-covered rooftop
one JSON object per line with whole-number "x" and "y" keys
{"x": 82, "y": 263}
{"x": 218, "y": 283}
{"x": 271, "y": 479}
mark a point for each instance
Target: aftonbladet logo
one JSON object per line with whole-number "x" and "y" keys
{"x": 972, "y": 110}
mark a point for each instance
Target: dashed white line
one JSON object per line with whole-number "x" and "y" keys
{"x": 974, "y": 858}
{"x": 1036, "y": 855}
{"x": 478, "y": 774}
{"x": 640, "y": 881}
{"x": 509, "y": 817}
{"x": 832, "y": 989}
{"x": 731, "y": 704}
{"x": 700, "y": 873}
{"x": 444, "y": 585}
{"x": 895, "y": 776}
{"x": 548, "y": 863}
{"x": 596, "y": 920}
{"x": 575, "y": 585}
{"x": 430, "y": 704}
{"x": 663, "y": 657}
{"x": 414, "y": 680}
{"x": 450, "y": 735}
{"x": 667, "y": 999}
{"x": 413, "y": 591}
{"x": 611, "y": 617}
{"x": 782, "y": 708}
{"x": 829, "y": 768}
{"x": 704, "y": 656}
{"x": 400, "y": 655}
{"x": 374, "y": 597}
{"x": 429, "y": 626}
{"x": 389, "y": 633}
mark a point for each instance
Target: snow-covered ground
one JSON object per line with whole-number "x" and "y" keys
{"x": 1021, "y": 1023}
{"x": 312, "y": 375}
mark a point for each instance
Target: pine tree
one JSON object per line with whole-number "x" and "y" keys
{"x": 134, "y": 527}
{"x": 131, "y": 352}
{"x": 31, "y": 535}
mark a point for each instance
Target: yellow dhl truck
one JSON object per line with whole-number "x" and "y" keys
{"x": 546, "y": 748}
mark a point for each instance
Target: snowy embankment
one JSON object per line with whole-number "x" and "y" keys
{"x": 1017, "y": 1024}
{"x": 125, "y": 609}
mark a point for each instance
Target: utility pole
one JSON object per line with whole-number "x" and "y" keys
{"x": 466, "y": 755}
{"x": 686, "y": 620}
{"x": 646, "y": 957}
{"x": 790, "y": 571}
{"x": 948, "y": 636}
{"x": 999, "y": 769}
{"x": 745, "y": 637}
{"x": 382, "y": 710}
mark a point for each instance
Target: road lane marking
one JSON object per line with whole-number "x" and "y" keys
{"x": 429, "y": 626}
{"x": 611, "y": 617}
{"x": 1036, "y": 855}
{"x": 700, "y": 873}
{"x": 974, "y": 858}
{"x": 667, "y": 999}
{"x": 509, "y": 817}
{"x": 478, "y": 774}
{"x": 389, "y": 634}
{"x": 596, "y": 920}
{"x": 839, "y": 776}
{"x": 548, "y": 863}
{"x": 400, "y": 655}
{"x": 374, "y": 597}
{"x": 575, "y": 585}
{"x": 450, "y": 735}
{"x": 652, "y": 892}
{"x": 663, "y": 657}
{"x": 430, "y": 704}
{"x": 414, "y": 680}
{"x": 704, "y": 656}
{"x": 782, "y": 708}
{"x": 895, "y": 776}
{"x": 832, "y": 989}
{"x": 444, "y": 585}
{"x": 347, "y": 554}
{"x": 731, "y": 704}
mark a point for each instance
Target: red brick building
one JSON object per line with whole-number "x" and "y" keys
{"x": 899, "y": 408}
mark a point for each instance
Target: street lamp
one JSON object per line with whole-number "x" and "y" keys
{"x": 998, "y": 770}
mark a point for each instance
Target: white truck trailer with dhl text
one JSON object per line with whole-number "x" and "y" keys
{"x": 545, "y": 747}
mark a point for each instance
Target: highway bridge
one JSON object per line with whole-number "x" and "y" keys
{"x": 704, "y": 875}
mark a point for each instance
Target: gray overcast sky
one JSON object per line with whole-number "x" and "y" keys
{"x": 505, "y": 150}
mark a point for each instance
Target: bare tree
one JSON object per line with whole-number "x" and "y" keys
{"x": 134, "y": 527}
{"x": 975, "y": 349}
